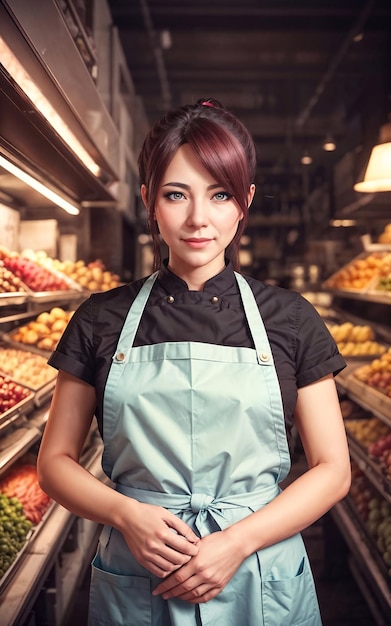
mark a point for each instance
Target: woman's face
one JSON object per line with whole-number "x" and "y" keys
{"x": 196, "y": 216}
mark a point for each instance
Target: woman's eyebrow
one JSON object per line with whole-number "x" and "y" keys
{"x": 173, "y": 184}
{"x": 184, "y": 186}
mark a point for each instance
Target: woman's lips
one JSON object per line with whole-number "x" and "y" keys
{"x": 195, "y": 242}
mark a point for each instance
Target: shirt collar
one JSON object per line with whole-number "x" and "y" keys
{"x": 217, "y": 284}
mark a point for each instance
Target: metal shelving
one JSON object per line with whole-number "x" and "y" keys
{"x": 365, "y": 562}
{"x": 50, "y": 570}
{"x": 373, "y": 585}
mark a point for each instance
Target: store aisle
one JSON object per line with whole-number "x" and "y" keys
{"x": 340, "y": 599}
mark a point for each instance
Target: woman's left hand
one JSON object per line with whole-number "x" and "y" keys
{"x": 207, "y": 573}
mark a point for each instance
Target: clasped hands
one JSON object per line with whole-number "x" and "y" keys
{"x": 195, "y": 570}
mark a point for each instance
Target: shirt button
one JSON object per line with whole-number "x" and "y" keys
{"x": 120, "y": 356}
{"x": 214, "y": 299}
{"x": 264, "y": 356}
{"x": 170, "y": 299}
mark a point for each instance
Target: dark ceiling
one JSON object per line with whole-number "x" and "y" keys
{"x": 292, "y": 71}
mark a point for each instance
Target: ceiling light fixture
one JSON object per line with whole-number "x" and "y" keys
{"x": 54, "y": 197}
{"x": 33, "y": 92}
{"x": 329, "y": 144}
{"x": 306, "y": 159}
{"x": 378, "y": 173}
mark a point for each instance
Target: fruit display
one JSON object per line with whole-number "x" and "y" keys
{"x": 14, "y": 529}
{"x": 355, "y": 340}
{"x": 377, "y": 373}
{"x": 358, "y": 274}
{"x": 21, "y": 482}
{"x": 375, "y": 436}
{"x": 9, "y": 283}
{"x": 45, "y": 331}
{"x": 380, "y": 450}
{"x": 92, "y": 276}
{"x": 383, "y": 282}
{"x": 375, "y": 512}
{"x": 11, "y": 393}
{"x": 367, "y": 430}
{"x": 25, "y": 367}
{"x": 35, "y": 277}
{"x": 385, "y": 236}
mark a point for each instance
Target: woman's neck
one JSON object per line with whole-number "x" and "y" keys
{"x": 196, "y": 278}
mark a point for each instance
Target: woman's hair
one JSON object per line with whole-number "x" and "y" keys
{"x": 221, "y": 142}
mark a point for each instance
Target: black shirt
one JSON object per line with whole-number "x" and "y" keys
{"x": 303, "y": 348}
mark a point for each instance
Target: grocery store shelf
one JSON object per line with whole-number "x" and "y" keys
{"x": 45, "y": 554}
{"x": 374, "y": 586}
{"x": 368, "y": 296}
{"x": 366, "y": 397}
{"x": 362, "y": 585}
{"x": 370, "y": 468}
{"x": 14, "y": 444}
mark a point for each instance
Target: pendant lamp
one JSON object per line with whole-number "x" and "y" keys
{"x": 378, "y": 173}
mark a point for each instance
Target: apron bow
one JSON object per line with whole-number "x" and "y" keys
{"x": 203, "y": 505}
{"x": 200, "y": 502}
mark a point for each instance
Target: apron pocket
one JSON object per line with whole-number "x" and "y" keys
{"x": 291, "y": 601}
{"x": 116, "y": 599}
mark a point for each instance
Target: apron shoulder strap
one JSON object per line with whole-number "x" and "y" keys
{"x": 255, "y": 321}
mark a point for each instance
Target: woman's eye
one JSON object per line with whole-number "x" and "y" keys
{"x": 222, "y": 195}
{"x": 174, "y": 195}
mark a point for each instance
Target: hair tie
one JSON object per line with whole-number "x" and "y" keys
{"x": 207, "y": 104}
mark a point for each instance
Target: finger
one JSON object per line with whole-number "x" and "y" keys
{"x": 183, "y": 529}
{"x": 161, "y": 567}
{"x": 179, "y": 582}
{"x": 195, "y": 595}
{"x": 212, "y": 593}
{"x": 181, "y": 544}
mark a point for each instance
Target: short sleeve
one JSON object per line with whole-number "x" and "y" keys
{"x": 316, "y": 351}
{"x": 74, "y": 352}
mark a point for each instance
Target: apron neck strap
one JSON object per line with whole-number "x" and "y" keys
{"x": 251, "y": 310}
{"x": 255, "y": 321}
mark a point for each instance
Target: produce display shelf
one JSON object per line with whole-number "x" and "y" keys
{"x": 375, "y": 554}
{"x": 32, "y": 535}
{"x": 16, "y": 444}
{"x": 41, "y": 555}
{"x": 377, "y": 586}
{"x": 365, "y": 396}
{"x": 380, "y": 297}
{"x": 371, "y": 468}
{"x": 44, "y": 393}
{"x": 369, "y": 397}
{"x": 9, "y": 342}
{"x": 20, "y": 408}
{"x": 55, "y": 296}
{"x": 361, "y": 582}
{"x": 17, "y": 297}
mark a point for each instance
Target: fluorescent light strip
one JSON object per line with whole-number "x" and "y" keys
{"x": 42, "y": 189}
{"x": 32, "y": 91}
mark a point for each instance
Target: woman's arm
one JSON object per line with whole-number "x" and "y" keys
{"x": 320, "y": 425}
{"x": 146, "y": 528}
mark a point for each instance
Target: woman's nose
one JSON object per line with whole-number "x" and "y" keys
{"x": 197, "y": 215}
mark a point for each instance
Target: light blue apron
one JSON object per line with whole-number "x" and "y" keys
{"x": 198, "y": 429}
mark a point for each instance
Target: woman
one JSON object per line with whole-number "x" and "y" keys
{"x": 196, "y": 375}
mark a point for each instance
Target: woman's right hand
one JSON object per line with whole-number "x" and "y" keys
{"x": 159, "y": 541}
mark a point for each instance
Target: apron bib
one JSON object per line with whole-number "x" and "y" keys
{"x": 198, "y": 429}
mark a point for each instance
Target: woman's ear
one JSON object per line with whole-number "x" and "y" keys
{"x": 143, "y": 190}
{"x": 250, "y": 195}
{"x": 144, "y": 196}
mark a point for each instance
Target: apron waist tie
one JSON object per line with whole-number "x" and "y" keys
{"x": 202, "y": 504}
